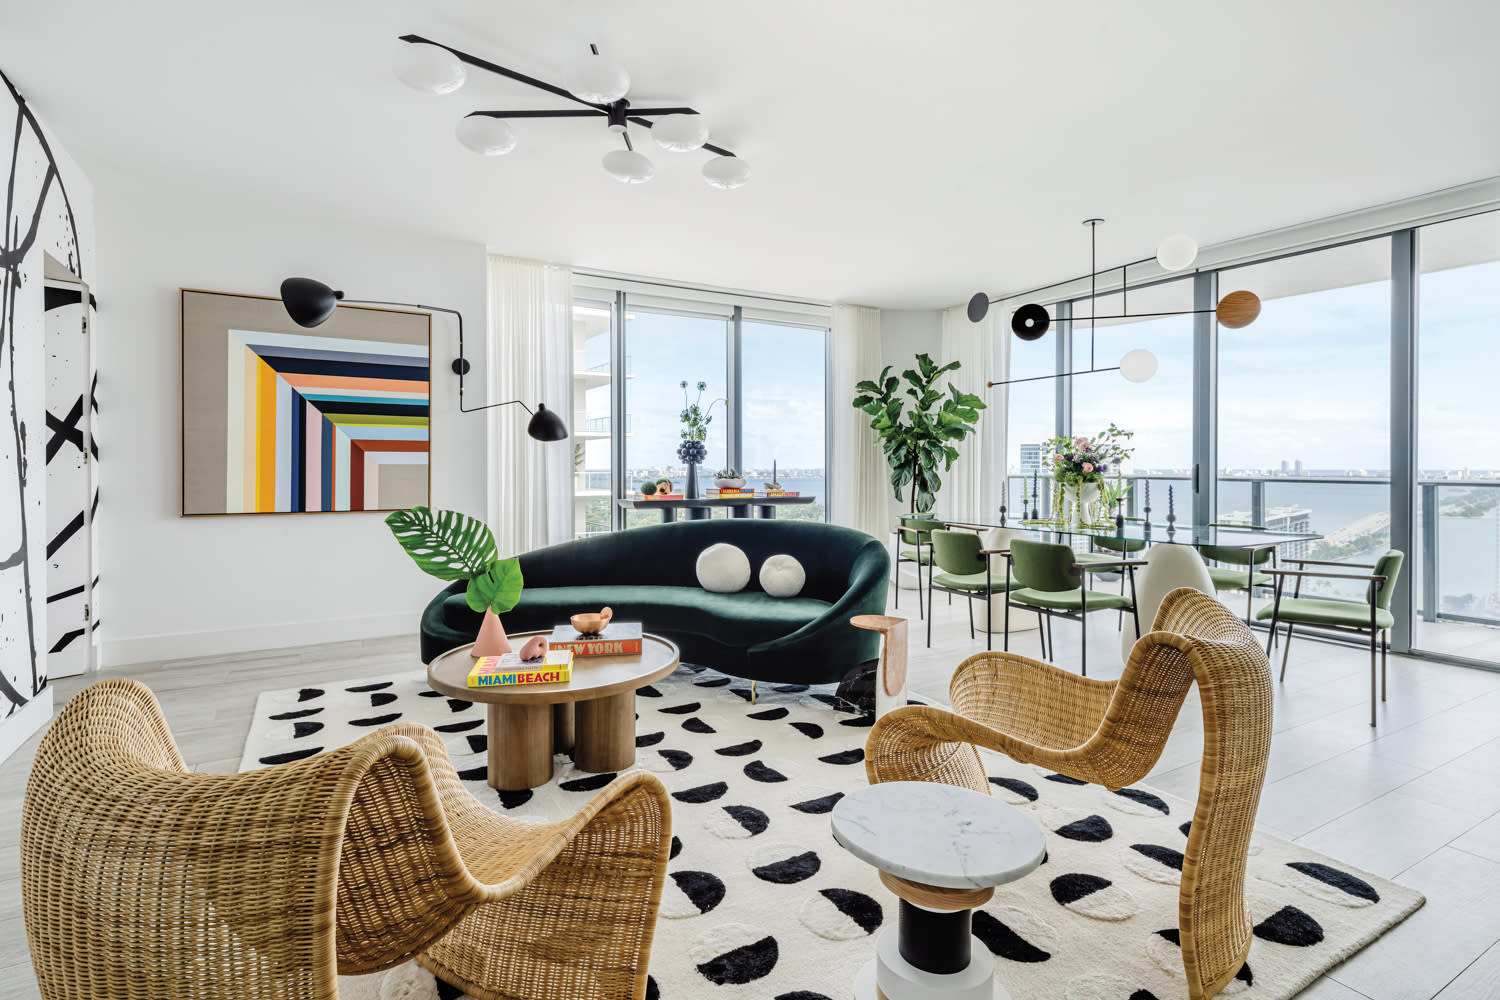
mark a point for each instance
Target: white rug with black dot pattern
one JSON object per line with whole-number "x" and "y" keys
{"x": 761, "y": 904}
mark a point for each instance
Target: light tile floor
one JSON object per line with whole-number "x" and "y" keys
{"x": 1416, "y": 799}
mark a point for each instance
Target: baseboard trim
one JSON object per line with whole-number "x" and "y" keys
{"x": 180, "y": 645}
{"x": 24, "y": 723}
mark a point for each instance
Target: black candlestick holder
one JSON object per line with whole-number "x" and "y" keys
{"x": 1002, "y": 515}
{"x": 1147, "y": 511}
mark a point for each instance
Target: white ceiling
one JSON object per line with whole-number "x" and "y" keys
{"x": 904, "y": 154}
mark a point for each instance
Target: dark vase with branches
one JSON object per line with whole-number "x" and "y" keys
{"x": 695, "y": 420}
{"x": 918, "y": 425}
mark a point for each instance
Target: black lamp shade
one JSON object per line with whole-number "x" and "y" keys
{"x": 1030, "y": 321}
{"x": 546, "y": 425}
{"x": 308, "y": 301}
{"x": 979, "y": 307}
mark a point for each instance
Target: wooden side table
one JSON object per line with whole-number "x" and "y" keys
{"x": 942, "y": 850}
{"x": 593, "y": 714}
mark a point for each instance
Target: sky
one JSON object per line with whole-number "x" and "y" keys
{"x": 783, "y": 380}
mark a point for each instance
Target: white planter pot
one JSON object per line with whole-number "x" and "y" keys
{"x": 736, "y": 483}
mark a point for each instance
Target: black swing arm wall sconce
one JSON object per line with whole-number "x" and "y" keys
{"x": 310, "y": 303}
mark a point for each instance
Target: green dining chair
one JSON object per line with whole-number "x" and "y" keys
{"x": 962, "y": 565}
{"x": 1373, "y": 615}
{"x": 1047, "y": 578}
{"x": 913, "y": 530}
{"x": 1240, "y": 568}
{"x": 1108, "y": 561}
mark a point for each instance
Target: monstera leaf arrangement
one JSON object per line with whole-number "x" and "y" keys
{"x": 454, "y": 546}
{"x": 919, "y": 432}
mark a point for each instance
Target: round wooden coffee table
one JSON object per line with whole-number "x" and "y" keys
{"x": 529, "y": 722}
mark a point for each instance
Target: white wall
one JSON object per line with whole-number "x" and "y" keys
{"x": 205, "y": 585}
{"x": 905, "y": 333}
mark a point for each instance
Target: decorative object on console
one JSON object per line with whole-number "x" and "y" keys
{"x": 648, "y": 489}
{"x": 535, "y": 648}
{"x": 454, "y": 546}
{"x": 310, "y": 303}
{"x": 782, "y": 576}
{"x": 591, "y": 623}
{"x": 918, "y": 439}
{"x": 729, "y": 479}
{"x": 695, "y": 420}
{"x": 774, "y": 484}
{"x": 723, "y": 568}
{"x": 614, "y": 639}
{"x": 277, "y": 419}
{"x": 598, "y": 84}
{"x": 1174, "y": 253}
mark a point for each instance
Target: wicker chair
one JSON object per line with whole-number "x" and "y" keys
{"x": 142, "y": 879}
{"x": 1112, "y": 733}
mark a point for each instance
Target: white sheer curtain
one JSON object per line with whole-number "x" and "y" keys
{"x": 857, "y": 467}
{"x": 973, "y": 487}
{"x": 529, "y": 483}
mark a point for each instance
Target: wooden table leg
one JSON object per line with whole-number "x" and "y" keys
{"x": 562, "y": 726}
{"x": 605, "y": 733}
{"x": 520, "y": 746}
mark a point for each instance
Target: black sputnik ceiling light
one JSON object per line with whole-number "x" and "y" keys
{"x": 1175, "y": 253}
{"x": 597, "y": 83}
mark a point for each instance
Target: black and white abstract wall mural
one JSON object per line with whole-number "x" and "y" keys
{"x": 48, "y": 210}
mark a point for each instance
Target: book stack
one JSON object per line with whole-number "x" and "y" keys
{"x": 617, "y": 639}
{"x": 508, "y": 670}
{"x": 729, "y": 493}
{"x": 659, "y": 496}
{"x": 782, "y": 493}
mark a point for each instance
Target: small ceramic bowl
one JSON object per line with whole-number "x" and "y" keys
{"x": 591, "y": 623}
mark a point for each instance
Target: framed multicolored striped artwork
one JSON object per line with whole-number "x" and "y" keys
{"x": 278, "y": 419}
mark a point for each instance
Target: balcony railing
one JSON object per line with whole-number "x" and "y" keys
{"x": 602, "y": 424}
{"x": 1456, "y": 565}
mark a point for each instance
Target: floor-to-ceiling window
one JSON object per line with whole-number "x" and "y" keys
{"x": 1456, "y": 564}
{"x": 1304, "y": 404}
{"x": 593, "y": 385}
{"x": 763, "y": 367}
{"x": 782, "y": 414}
{"x": 1031, "y": 418}
{"x": 1158, "y": 411}
{"x": 667, "y": 349}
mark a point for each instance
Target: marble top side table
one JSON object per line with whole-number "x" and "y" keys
{"x": 942, "y": 850}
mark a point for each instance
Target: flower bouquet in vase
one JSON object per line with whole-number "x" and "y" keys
{"x": 1080, "y": 466}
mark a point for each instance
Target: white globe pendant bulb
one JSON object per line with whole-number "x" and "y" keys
{"x": 628, "y": 167}
{"x": 679, "y": 133}
{"x": 1176, "y": 252}
{"x": 599, "y": 80}
{"x": 726, "y": 172}
{"x": 1138, "y": 365}
{"x": 428, "y": 68}
{"x": 485, "y": 135}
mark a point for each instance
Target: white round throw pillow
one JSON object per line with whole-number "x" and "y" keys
{"x": 782, "y": 576}
{"x": 723, "y": 568}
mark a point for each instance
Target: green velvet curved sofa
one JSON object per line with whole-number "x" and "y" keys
{"x": 649, "y": 574}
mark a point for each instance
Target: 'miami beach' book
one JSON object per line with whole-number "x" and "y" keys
{"x": 617, "y": 639}
{"x": 501, "y": 671}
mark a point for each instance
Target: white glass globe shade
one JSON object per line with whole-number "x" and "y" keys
{"x": 1176, "y": 252}
{"x": 726, "y": 171}
{"x": 485, "y": 135}
{"x": 429, "y": 68}
{"x": 599, "y": 80}
{"x": 628, "y": 166}
{"x": 1138, "y": 365}
{"x": 680, "y": 133}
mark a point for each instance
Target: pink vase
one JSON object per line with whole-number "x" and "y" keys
{"x": 492, "y": 640}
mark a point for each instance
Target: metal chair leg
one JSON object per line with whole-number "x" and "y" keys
{"x": 1385, "y": 644}
{"x": 930, "y": 616}
{"x": 970, "y": 602}
{"x": 1285, "y": 650}
{"x": 1051, "y": 643}
{"x": 1373, "y": 643}
{"x": 1083, "y": 635}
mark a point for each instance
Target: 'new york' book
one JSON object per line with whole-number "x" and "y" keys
{"x": 617, "y": 639}
{"x": 507, "y": 670}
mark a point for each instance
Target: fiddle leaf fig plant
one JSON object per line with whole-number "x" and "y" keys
{"x": 918, "y": 425}
{"x": 454, "y": 546}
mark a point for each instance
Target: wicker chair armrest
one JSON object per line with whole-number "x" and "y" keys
{"x": 1028, "y": 700}
{"x": 1324, "y": 574}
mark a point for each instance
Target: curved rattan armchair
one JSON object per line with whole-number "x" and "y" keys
{"x": 142, "y": 879}
{"x": 1112, "y": 733}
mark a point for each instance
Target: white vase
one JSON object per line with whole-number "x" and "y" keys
{"x": 1078, "y": 497}
{"x": 734, "y": 483}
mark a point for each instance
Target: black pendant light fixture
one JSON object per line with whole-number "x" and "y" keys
{"x": 310, "y": 303}
{"x": 1175, "y": 253}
